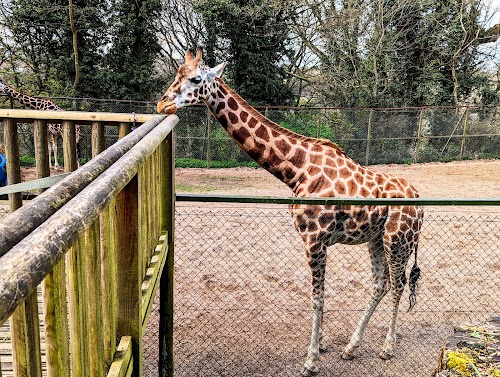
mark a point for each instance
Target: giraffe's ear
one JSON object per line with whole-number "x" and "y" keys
{"x": 217, "y": 70}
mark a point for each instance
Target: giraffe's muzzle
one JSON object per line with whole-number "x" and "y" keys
{"x": 166, "y": 107}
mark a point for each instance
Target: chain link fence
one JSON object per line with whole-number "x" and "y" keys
{"x": 242, "y": 294}
{"x": 369, "y": 136}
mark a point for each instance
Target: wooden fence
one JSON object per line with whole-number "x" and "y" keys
{"x": 97, "y": 243}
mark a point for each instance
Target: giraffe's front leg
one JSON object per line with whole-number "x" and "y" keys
{"x": 317, "y": 262}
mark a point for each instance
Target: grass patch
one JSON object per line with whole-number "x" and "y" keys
{"x": 197, "y": 163}
{"x": 180, "y": 187}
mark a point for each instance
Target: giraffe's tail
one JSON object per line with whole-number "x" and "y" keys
{"x": 414, "y": 275}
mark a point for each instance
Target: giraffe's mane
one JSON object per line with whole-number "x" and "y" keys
{"x": 269, "y": 123}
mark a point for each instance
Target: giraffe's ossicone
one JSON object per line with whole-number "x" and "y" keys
{"x": 317, "y": 168}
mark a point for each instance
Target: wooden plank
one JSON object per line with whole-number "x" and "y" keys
{"x": 76, "y": 311}
{"x": 56, "y": 321}
{"x": 152, "y": 278}
{"x": 167, "y": 223}
{"x": 80, "y": 116}
{"x": 108, "y": 280}
{"x": 92, "y": 269}
{"x": 129, "y": 267}
{"x": 123, "y": 359}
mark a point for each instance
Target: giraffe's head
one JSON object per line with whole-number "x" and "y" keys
{"x": 191, "y": 85}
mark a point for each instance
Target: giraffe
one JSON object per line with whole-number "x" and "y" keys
{"x": 44, "y": 104}
{"x": 317, "y": 168}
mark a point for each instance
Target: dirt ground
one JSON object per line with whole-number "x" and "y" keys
{"x": 242, "y": 282}
{"x": 463, "y": 179}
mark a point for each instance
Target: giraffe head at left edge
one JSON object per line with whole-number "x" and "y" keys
{"x": 191, "y": 85}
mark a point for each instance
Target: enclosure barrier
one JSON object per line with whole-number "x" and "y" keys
{"x": 112, "y": 219}
{"x": 242, "y": 288}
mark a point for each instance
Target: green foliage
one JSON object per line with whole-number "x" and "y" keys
{"x": 197, "y": 163}
{"x": 27, "y": 161}
{"x": 254, "y": 35}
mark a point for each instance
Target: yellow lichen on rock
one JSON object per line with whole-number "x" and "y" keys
{"x": 460, "y": 362}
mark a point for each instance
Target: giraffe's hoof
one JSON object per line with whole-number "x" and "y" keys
{"x": 308, "y": 373}
{"x": 347, "y": 356}
{"x": 323, "y": 349}
{"x": 384, "y": 355}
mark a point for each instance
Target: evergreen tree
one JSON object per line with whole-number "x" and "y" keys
{"x": 134, "y": 47}
{"x": 254, "y": 36}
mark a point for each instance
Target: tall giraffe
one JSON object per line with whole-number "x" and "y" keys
{"x": 317, "y": 168}
{"x": 44, "y": 104}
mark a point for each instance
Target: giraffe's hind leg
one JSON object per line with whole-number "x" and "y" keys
{"x": 380, "y": 273}
{"x": 398, "y": 252}
{"x": 316, "y": 254}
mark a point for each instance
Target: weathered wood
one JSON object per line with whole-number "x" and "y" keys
{"x": 92, "y": 279}
{"x": 69, "y": 146}
{"x": 19, "y": 224}
{"x": 24, "y": 322}
{"x": 32, "y": 258}
{"x": 98, "y": 141}
{"x": 123, "y": 359}
{"x": 108, "y": 280}
{"x": 129, "y": 267}
{"x": 82, "y": 117}
{"x": 25, "y": 332}
{"x": 124, "y": 129}
{"x": 167, "y": 223}
{"x": 56, "y": 321}
{"x": 77, "y": 315}
{"x": 54, "y": 285}
{"x": 11, "y": 141}
{"x": 41, "y": 148}
{"x": 151, "y": 280}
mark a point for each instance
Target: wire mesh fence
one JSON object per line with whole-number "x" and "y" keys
{"x": 242, "y": 293}
{"x": 370, "y": 136}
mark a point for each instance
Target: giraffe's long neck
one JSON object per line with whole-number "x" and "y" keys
{"x": 35, "y": 103}
{"x": 278, "y": 150}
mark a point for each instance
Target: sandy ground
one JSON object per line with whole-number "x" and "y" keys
{"x": 242, "y": 282}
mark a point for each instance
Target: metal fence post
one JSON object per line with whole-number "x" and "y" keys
{"x": 464, "y": 134}
{"x": 208, "y": 137}
{"x": 368, "y": 138}
{"x": 166, "y": 325}
{"x": 419, "y": 133}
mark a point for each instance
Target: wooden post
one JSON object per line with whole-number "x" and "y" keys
{"x": 124, "y": 129}
{"x": 98, "y": 141}
{"x": 24, "y": 323}
{"x": 419, "y": 133}
{"x": 368, "y": 138}
{"x": 129, "y": 268}
{"x": 41, "y": 148}
{"x": 54, "y": 284}
{"x": 69, "y": 146}
{"x": 464, "y": 135}
{"x": 11, "y": 141}
{"x": 167, "y": 196}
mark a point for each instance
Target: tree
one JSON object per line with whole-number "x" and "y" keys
{"x": 254, "y": 35}
{"x": 133, "y": 50}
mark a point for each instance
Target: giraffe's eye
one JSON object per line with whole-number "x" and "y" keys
{"x": 195, "y": 80}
